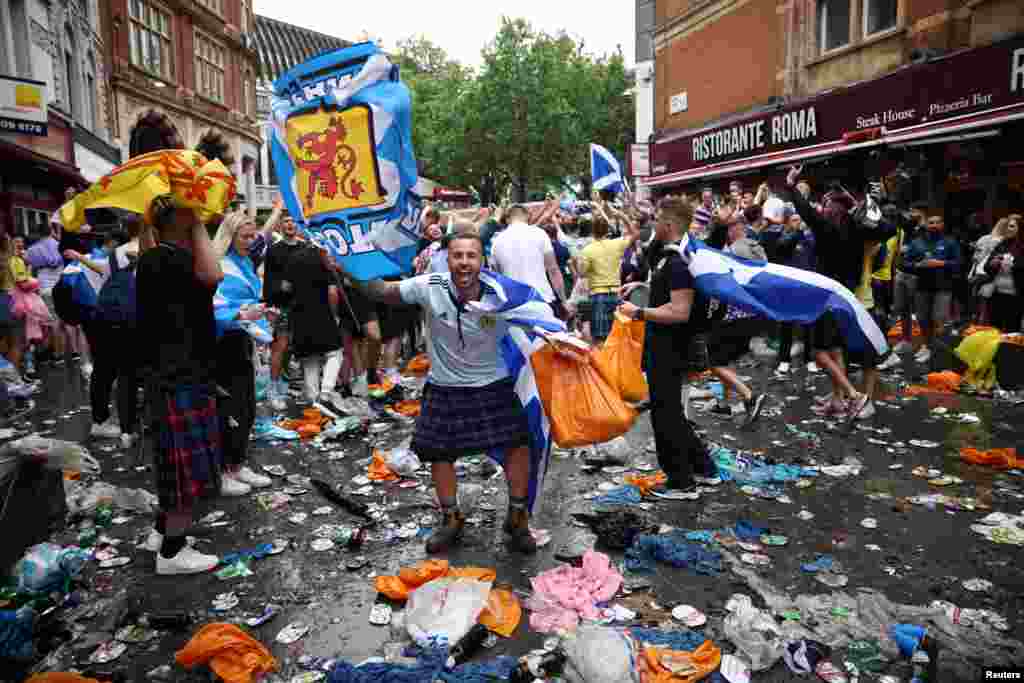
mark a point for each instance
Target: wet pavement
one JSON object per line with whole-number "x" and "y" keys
{"x": 917, "y": 553}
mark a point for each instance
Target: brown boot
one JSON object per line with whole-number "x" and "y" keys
{"x": 448, "y": 534}
{"x": 517, "y": 526}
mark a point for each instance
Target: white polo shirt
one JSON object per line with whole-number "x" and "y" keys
{"x": 463, "y": 346}
{"x": 518, "y": 252}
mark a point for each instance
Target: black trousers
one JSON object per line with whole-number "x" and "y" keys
{"x": 236, "y": 374}
{"x": 114, "y": 357}
{"x": 1005, "y": 311}
{"x": 786, "y": 333}
{"x": 681, "y": 453}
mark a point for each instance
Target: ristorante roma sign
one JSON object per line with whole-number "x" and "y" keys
{"x": 968, "y": 82}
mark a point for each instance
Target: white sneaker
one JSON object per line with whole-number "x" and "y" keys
{"x": 187, "y": 561}
{"x": 129, "y": 440}
{"x": 86, "y": 369}
{"x": 105, "y": 430}
{"x": 278, "y": 392}
{"x": 783, "y": 369}
{"x": 902, "y": 347}
{"x": 256, "y": 481}
{"x": 230, "y": 486}
{"x": 687, "y": 391}
{"x": 360, "y": 387}
{"x": 891, "y": 362}
{"x": 813, "y": 367}
{"x": 153, "y": 541}
{"x": 924, "y": 355}
{"x": 798, "y": 348}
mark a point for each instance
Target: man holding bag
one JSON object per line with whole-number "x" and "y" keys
{"x": 675, "y": 315}
{"x": 469, "y": 402}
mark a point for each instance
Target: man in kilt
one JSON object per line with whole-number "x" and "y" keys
{"x": 675, "y": 318}
{"x": 175, "y": 284}
{"x": 469, "y": 402}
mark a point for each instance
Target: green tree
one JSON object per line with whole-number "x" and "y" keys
{"x": 525, "y": 120}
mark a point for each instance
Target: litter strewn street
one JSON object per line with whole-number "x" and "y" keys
{"x": 871, "y": 508}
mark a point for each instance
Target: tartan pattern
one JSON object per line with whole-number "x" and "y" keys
{"x": 602, "y": 315}
{"x": 188, "y": 453}
{"x": 460, "y": 421}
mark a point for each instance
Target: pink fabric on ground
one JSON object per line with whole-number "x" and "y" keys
{"x": 564, "y": 595}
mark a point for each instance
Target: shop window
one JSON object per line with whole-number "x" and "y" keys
{"x": 210, "y": 61}
{"x": 833, "y": 24}
{"x": 879, "y": 15}
{"x": 150, "y": 38}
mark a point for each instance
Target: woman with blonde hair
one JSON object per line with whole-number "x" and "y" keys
{"x": 240, "y": 318}
{"x": 982, "y": 284}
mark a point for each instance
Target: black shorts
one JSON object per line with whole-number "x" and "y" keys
{"x": 825, "y": 334}
{"x": 396, "y": 320}
{"x": 730, "y": 341}
{"x": 359, "y": 306}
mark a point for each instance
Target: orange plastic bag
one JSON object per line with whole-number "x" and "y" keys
{"x": 659, "y": 663}
{"x": 944, "y": 381}
{"x": 231, "y": 653}
{"x": 60, "y": 677}
{"x": 895, "y": 333}
{"x": 407, "y": 408}
{"x": 475, "y": 573}
{"x": 582, "y": 407}
{"x": 378, "y": 470}
{"x": 502, "y": 613}
{"x": 424, "y": 571}
{"x": 310, "y": 424}
{"x": 618, "y": 360}
{"x": 392, "y": 587}
{"x": 999, "y": 458}
{"x": 418, "y": 366}
{"x": 645, "y": 482}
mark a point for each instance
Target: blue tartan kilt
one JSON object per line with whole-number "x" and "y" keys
{"x": 458, "y": 421}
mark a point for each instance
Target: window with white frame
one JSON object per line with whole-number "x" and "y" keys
{"x": 216, "y": 6}
{"x": 150, "y": 38}
{"x": 29, "y": 221}
{"x": 879, "y": 15}
{"x": 210, "y": 58}
{"x": 833, "y": 24}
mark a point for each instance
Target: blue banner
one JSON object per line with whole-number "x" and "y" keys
{"x": 342, "y": 146}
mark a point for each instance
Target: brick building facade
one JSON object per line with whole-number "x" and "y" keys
{"x": 183, "y": 74}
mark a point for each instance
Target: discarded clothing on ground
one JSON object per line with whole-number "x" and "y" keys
{"x": 684, "y": 640}
{"x": 597, "y": 654}
{"x": 616, "y": 529}
{"x": 16, "y": 635}
{"x": 671, "y": 549}
{"x": 802, "y": 656}
{"x": 565, "y": 594}
{"x": 430, "y": 667}
{"x": 231, "y": 653}
{"x": 617, "y": 497}
{"x": 48, "y": 567}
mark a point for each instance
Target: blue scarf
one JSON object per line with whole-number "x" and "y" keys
{"x": 241, "y": 286}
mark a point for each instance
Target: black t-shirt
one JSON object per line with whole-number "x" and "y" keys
{"x": 314, "y": 329}
{"x": 274, "y": 271}
{"x": 176, "y": 328}
{"x": 669, "y": 344}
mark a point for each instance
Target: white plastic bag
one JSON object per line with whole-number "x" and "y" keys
{"x": 753, "y": 632}
{"x": 443, "y": 610}
{"x": 402, "y": 461}
{"x": 617, "y": 450}
{"x": 54, "y": 454}
{"x": 597, "y": 654}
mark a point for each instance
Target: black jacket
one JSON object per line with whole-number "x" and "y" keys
{"x": 839, "y": 245}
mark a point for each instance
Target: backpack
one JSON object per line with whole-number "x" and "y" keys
{"x": 116, "y": 302}
{"x": 74, "y": 298}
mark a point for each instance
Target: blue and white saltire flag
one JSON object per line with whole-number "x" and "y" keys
{"x": 525, "y": 310}
{"x": 605, "y": 170}
{"x": 781, "y": 293}
{"x": 241, "y": 286}
{"x": 341, "y": 144}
